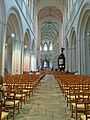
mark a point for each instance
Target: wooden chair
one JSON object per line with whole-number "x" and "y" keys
{"x": 3, "y": 114}
{"x": 10, "y": 103}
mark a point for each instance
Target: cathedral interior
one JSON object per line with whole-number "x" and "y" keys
{"x": 44, "y": 59}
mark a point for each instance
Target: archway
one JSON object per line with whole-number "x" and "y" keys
{"x": 87, "y": 46}
{"x": 12, "y": 45}
{"x": 84, "y": 37}
{"x": 33, "y": 58}
{"x": 26, "y": 67}
{"x": 73, "y": 52}
{"x": 50, "y": 20}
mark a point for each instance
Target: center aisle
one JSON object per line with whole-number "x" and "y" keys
{"x": 47, "y": 103}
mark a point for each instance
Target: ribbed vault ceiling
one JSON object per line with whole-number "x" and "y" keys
{"x": 50, "y": 27}
{"x": 49, "y": 31}
{"x": 50, "y": 12}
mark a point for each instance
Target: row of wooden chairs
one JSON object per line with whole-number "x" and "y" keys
{"x": 76, "y": 89}
{"x": 16, "y": 90}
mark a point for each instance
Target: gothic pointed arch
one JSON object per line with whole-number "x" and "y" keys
{"x": 73, "y": 50}
{"x": 13, "y": 42}
{"x": 26, "y": 56}
{"x": 83, "y": 36}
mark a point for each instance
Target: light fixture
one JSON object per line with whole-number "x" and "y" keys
{"x": 6, "y": 44}
{"x": 25, "y": 46}
{"x": 13, "y": 35}
{"x": 88, "y": 33}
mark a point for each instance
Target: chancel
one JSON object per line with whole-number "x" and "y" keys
{"x": 44, "y": 59}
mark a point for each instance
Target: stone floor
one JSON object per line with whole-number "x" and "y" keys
{"x": 47, "y": 103}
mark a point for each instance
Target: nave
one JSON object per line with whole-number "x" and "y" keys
{"x": 49, "y": 96}
{"x": 47, "y": 103}
{"x": 43, "y": 43}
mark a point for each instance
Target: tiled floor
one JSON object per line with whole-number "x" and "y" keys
{"x": 47, "y": 103}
